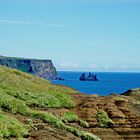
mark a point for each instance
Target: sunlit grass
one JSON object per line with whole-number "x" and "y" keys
{"x": 20, "y": 93}
{"x": 103, "y": 119}
{"x": 11, "y": 127}
{"x": 34, "y": 91}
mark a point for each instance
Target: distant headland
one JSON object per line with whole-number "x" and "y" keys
{"x": 40, "y": 68}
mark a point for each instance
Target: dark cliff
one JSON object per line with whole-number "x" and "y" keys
{"x": 40, "y": 68}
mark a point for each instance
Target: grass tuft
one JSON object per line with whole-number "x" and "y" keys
{"x": 70, "y": 117}
{"x": 103, "y": 119}
{"x": 48, "y": 118}
{"x": 11, "y": 127}
{"x": 84, "y": 124}
{"x": 13, "y": 105}
{"x": 82, "y": 134}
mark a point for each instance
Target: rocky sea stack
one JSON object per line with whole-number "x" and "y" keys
{"x": 90, "y": 77}
{"x": 40, "y": 68}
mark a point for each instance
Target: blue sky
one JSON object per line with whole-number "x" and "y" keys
{"x": 85, "y": 35}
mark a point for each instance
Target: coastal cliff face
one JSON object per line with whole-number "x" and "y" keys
{"x": 40, "y": 68}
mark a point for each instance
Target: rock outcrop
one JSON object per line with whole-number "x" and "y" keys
{"x": 40, "y": 68}
{"x": 83, "y": 77}
{"x": 123, "y": 110}
{"x": 90, "y": 77}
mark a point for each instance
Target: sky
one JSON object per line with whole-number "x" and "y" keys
{"x": 77, "y": 35}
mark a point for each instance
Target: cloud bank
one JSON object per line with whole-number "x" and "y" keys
{"x": 7, "y": 21}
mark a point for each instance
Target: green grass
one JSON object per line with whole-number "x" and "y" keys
{"x": 84, "y": 124}
{"x": 11, "y": 127}
{"x": 35, "y": 92}
{"x": 70, "y": 117}
{"x": 57, "y": 122}
{"x": 73, "y": 117}
{"x": 48, "y": 118}
{"x": 82, "y": 134}
{"x": 103, "y": 119}
{"x": 13, "y": 105}
{"x": 19, "y": 92}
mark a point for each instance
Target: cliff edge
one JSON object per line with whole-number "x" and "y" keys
{"x": 40, "y": 68}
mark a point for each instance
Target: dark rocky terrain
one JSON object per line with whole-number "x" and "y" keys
{"x": 40, "y": 68}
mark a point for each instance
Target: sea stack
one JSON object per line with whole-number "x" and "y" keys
{"x": 83, "y": 77}
{"x": 90, "y": 77}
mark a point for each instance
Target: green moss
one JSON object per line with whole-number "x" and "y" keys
{"x": 103, "y": 119}
{"x": 10, "y": 127}
{"x": 70, "y": 117}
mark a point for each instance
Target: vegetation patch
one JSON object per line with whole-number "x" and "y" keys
{"x": 19, "y": 91}
{"x": 57, "y": 122}
{"x": 82, "y": 134}
{"x": 34, "y": 91}
{"x": 11, "y": 127}
{"x": 119, "y": 99}
{"x": 103, "y": 119}
{"x": 84, "y": 123}
{"x": 12, "y": 105}
{"x": 70, "y": 117}
{"x": 48, "y": 118}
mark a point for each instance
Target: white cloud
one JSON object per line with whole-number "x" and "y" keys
{"x": 14, "y": 21}
{"x": 33, "y": 23}
{"x": 96, "y": 67}
{"x": 68, "y": 65}
{"x": 93, "y": 66}
{"x": 51, "y": 25}
{"x": 106, "y": 67}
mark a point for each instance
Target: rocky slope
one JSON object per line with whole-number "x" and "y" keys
{"x": 123, "y": 110}
{"x": 35, "y": 109}
{"x": 40, "y": 68}
{"x": 120, "y": 119}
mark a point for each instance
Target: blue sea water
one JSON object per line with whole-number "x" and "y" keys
{"x": 109, "y": 82}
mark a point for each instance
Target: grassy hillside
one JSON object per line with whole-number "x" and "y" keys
{"x": 26, "y": 95}
{"x": 32, "y": 90}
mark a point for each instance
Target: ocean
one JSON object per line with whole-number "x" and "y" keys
{"x": 109, "y": 82}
